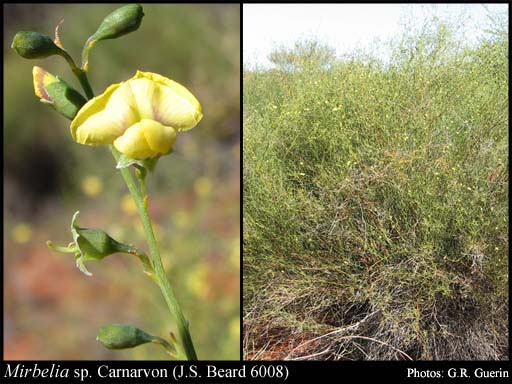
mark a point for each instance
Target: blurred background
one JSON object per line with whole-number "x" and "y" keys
{"x": 52, "y": 310}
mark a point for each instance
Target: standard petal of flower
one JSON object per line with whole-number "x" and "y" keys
{"x": 162, "y": 80}
{"x": 175, "y": 110}
{"x": 133, "y": 143}
{"x": 160, "y": 138}
{"x": 173, "y": 104}
{"x": 123, "y": 106}
{"x": 143, "y": 91}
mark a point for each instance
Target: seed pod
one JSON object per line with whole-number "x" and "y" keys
{"x": 120, "y": 336}
{"x": 34, "y": 45}
{"x": 95, "y": 244}
{"x": 120, "y": 22}
{"x": 56, "y": 92}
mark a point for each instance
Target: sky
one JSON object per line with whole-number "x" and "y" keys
{"x": 344, "y": 27}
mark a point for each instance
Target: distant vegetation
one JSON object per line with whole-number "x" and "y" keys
{"x": 376, "y": 201}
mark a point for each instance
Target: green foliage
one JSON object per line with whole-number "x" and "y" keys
{"x": 378, "y": 191}
{"x": 302, "y": 55}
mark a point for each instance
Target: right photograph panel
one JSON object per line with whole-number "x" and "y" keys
{"x": 375, "y": 182}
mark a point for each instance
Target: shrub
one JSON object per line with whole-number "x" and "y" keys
{"x": 375, "y": 202}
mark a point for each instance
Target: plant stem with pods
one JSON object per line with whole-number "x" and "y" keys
{"x": 140, "y": 198}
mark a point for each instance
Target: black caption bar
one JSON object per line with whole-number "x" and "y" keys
{"x": 246, "y": 371}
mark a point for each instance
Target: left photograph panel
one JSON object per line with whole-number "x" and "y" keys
{"x": 121, "y": 182}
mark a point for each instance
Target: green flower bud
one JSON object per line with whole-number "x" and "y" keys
{"x": 120, "y": 22}
{"x": 34, "y": 45}
{"x": 56, "y": 92}
{"x": 120, "y": 336}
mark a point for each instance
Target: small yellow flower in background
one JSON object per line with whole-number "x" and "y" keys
{"x": 92, "y": 186}
{"x": 21, "y": 233}
{"x": 128, "y": 205}
{"x": 140, "y": 116}
{"x": 196, "y": 281}
{"x": 234, "y": 328}
{"x": 182, "y": 219}
{"x": 202, "y": 186}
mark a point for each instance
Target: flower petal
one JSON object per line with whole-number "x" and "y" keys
{"x": 101, "y": 128}
{"x": 133, "y": 143}
{"x": 140, "y": 116}
{"x": 105, "y": 117}
{"x": 88, "y": 130}
{"x": 160, "y": 138}
{"x": 143, "y": 91}
{"x": 123, "y": 106}
{"x": 173, "y": 104}
{"x": 147, "y": 138}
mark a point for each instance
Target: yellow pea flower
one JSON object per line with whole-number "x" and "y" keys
{"x": 140, "y": 116}
{"x": 127, "y": 205}
{"x": 234, "y": 327}
{"x": 203, "y": 186}
{"x": 22, "y": 233}
{"x": 92, "y": 186}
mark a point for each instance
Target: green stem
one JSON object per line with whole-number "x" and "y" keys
{"x": 141, "y": 203}
{"x": 164, "y": 343}
{"x": 147, "y": 267}
{"x": 85, "y": 52}
{"x": 82, "y": 77}
{"x": 80, "y": 74}
{"x": 57, "y": 248}
{"x": 160, "y": 276}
